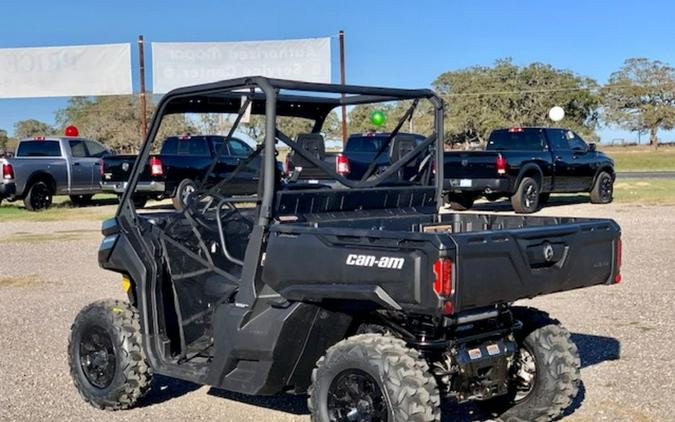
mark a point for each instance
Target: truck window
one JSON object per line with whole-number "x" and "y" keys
{"x": 558, "y": 139}
{"x": 193, "y": 146}
{"x": 575, "y": 142}
{"x": 516, "y": 140}
{"x": 364, "y": 144}
{"x": 39, "y": 149}
{"x": 95, "y": 149}
{"x": 77, "y": 148}
{"x": 238, "y": 148}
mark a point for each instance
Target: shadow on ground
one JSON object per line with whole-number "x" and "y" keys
{"x": 554, "y": 201}
{"x": 592, "y": 350}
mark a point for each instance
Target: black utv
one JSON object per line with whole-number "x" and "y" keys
{"x": 358, "y": 293}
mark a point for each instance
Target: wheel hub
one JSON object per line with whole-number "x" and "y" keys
{"x": 97, "y": 357}
{"x": 524, "y": 374}
{"x": 355, "y": 396}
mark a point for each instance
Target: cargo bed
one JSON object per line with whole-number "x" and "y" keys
{"x": 496, "y": 259}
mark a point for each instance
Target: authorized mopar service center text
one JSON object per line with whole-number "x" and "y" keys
{"x": 373, "y": 261}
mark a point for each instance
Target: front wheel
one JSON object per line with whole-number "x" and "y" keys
{"x": 185, "y": 188}
{"x": 107, "y": 362}
{"x": 81, "y": 200}
{"x": 373, "y": 377}
{"x": 526, "y": 198}
{"x": 603, "y": 189}
{"x": 545, "y": 374}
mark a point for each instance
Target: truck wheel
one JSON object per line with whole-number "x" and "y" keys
{"x": 373, "y": 377}
{"x": 39, "y": 197}
{"x": 603, "y": 189}
{"x": 545, "y": 374}
{"x": 461, "y": 201}
{"x": 526, "y": 198}
{"x": 107, "y": 362}
{"x": 139, "y": 201}
{"x": 183, "y": 191}
{"x": 81, "y": 200}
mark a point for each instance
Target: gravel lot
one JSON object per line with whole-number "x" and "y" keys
{"x": 625, "y": 333}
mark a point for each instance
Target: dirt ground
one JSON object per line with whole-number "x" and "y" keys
{"x": 625, "y": 333}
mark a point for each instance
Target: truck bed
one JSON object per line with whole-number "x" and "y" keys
{"x": 496, "y": 259}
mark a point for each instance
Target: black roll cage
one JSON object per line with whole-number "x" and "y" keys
{"x": 265, "y": 99}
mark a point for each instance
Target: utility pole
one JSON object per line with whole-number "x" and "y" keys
{"x": 141, "y": 63}
{"x": 341, "y": 37}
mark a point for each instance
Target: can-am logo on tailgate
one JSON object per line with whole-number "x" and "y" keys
{"x": 373, "y": 261}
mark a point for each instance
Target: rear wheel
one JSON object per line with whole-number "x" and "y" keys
{"x": 81, "y": 200}
{"x": 107, "y": 362}
{"x": 185, "y": 188}
{"x": 526, "y": 198}
{"x": 603, "y": 189}
{"x": 545, "y": 374}
{"x": 140, "y": 201}
{"x": 373, "y": 377}
{"x": 460, "y": 201}
{"x": 39, "y": 197}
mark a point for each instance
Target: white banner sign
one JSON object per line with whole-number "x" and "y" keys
{"x": 181, "y": 64}
{"x": 65, "y": 71}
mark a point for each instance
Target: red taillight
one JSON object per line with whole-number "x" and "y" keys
{"x": 39, "y": 138}
{"x": 516, "y": 130}
{"x": 443, "y": 277}
{"x": 342, "y": 165}
{"x": 156, "y": 168}
{"x": 7, "y": 172}
{"x": 617, "y": 262}
{"x": 501, "y": 164}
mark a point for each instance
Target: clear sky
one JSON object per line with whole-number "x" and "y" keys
{"x": 389, "y": 43}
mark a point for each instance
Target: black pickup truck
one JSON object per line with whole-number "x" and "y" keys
{"x": 527, "y": 165}
{"x": 181, "y": 163}
{"x": 363, "y": 296}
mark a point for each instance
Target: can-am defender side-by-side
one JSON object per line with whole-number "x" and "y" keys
{"x": 359, "y": 292}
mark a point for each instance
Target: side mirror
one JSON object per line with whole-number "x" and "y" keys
{"x": 592, "y": 147}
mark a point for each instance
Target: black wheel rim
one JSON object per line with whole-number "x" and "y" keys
{"x": 355, "y": 396}
{"x": 531, "y": 196}
{"x": 606, "y": 187}
{"x": 40, "y": 197}
{"x": 97, "y": 357}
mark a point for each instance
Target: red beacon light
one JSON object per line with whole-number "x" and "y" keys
{"x": 72, "y": 131}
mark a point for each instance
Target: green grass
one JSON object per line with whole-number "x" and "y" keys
{"x": 645, "y": 191}
{"x": 62, "y": 209}
{"x": 642, "y": 158}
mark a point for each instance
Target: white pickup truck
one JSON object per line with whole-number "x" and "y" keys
{"x": 46, "y": 166}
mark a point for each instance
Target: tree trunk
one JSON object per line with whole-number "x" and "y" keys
{"x": 653, "y": 139}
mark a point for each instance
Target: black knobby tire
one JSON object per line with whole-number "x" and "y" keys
{"x": 603, "y": 189}
{"x": 526, "y": 198}
{"x": 401, "y": 375}
{"x": 556, "y": 377}
{"x": 81, "y": 200}
{"x": 461, "y": 201}
{"x": 39, "y": 197}
{"x": 184, "y": 189}
{"x": 110, "y": 372}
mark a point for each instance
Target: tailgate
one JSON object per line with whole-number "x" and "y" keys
{"x": 506, "y": 265}
{"x": 117, "y": 168}
{"x": 470, "y": 165}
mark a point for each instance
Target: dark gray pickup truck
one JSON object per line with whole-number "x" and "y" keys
{"x": 364, "y": 296}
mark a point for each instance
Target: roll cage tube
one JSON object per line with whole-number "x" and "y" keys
{"x": 191, "y": 99}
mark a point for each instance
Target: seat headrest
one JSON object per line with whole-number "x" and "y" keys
{"x": 402, "y": 144}
{"x": 313, "y": 143}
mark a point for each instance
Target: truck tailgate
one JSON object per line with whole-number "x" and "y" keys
{"x": 506, "y": 265}
{"x": 470, "y": 165}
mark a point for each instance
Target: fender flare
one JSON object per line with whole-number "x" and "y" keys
{"x": 528, "y": 168}
{"x": 606, "y": 168}
{"x": 42, "y": 176}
